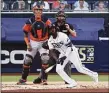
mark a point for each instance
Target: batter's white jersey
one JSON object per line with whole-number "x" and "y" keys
{"x": 60, "y": 43}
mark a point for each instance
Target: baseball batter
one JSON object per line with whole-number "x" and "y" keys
{"x": 68, "y": 52}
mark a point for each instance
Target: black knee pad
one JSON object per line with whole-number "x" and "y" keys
{"x": 28, "y": 60}
{"x": 44, "y": 58}
{"x": 52, "y": 61}
{"x": 44, "y": 75}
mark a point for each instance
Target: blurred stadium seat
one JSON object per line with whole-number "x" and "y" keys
{"x": 9, "y": 4}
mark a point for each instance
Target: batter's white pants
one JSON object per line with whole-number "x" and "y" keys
{"x": 75, "y": 59}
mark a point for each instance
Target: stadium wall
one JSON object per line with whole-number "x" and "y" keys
{"x": 93, "y": 53}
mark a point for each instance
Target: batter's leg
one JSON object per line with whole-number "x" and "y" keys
{"x": 75, "y": 59}
{"x": 64, "y": 76}
{"x": 67, "y": 69}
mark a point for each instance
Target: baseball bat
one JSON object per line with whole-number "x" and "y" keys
{"x": 48, "y": 69}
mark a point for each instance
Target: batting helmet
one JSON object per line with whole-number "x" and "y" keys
{"x": 53, "y": 30}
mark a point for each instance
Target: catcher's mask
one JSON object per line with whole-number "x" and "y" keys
{"x": 53, "y": 31}
{"x": 61, "y": 16}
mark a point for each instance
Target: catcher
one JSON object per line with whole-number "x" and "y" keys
{"x": 36, "y": 28}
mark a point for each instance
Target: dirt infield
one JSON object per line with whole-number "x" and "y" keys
{"x": 55, "y": 87}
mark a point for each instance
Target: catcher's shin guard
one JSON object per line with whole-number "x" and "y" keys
{"x": 25, "y": 72}
{"x": 42, "y": 78}
{"x": 44, "y": 75}
{"x": 45, "y": 64}
{"x": 26, "y": 69}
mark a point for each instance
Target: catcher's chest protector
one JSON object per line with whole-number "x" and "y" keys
{"x": 39, "y": 29}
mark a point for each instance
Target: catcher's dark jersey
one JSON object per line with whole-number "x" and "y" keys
{"x": 38, "y": 29}
{"x": 63, "y": 28}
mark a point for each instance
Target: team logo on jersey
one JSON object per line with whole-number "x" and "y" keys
{"x": 57, "y": 45}
{"x": 38, "y": 25}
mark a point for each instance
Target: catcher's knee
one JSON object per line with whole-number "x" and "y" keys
{"x": 28, "y": 60}
{"x": 45, "y": 60}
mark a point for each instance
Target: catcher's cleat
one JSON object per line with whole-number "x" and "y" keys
{"x": 21, "y": 82}
{"x": 37, "y": 81}
{"x": 44, "y": 82}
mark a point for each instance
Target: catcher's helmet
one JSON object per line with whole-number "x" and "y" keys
{"x": 53, "y": 26}
{"x": 61, "y": 14}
